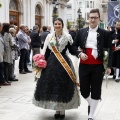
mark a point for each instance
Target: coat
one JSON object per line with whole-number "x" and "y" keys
{"x": 1, "y": 48}
{"x": 8, "y": 52}
{"x": 35, "y": 40}
{"x": 104, "y": 42}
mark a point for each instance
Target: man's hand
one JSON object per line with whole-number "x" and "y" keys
{"x": 117, "y": 48}
{"x": 83, "y": 56}
{"x": 108, "y": 71}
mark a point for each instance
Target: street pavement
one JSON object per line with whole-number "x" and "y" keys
{"x": 16, "y": 102}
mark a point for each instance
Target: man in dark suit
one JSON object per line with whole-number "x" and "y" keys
{"x": 92, "y": 41}
{"x": 44, "y": 35}
{"x": 35, "y": 40}
{"x": 116, "y": 51}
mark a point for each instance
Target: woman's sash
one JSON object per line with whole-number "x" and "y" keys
{"x": 64, "y": 63}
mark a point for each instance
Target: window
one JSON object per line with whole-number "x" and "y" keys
{"x": 37, "y": 10}
{"x": 86, "y": 16}
{"x": 69, "y": 16}
{"x": 91, "y": 5}
{"x": 87, "y": 4}
{"x": 69, "y": 6}
{"x": 80, "y": 4}
{"x": 13, "y": 5}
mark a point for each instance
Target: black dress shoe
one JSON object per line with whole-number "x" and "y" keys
{"x": 88, "y": 110}
{"x": 13, "y": 79}
{"x": 114, "y": 76}
{"x": 5, "y": 84}
{"x": 90, "y": 119}
{"x": 116, "y": 80}
{"x": 57, "y": 116}
{"x": 22, "y": 72}
{"x": 62, "y": 116}
{"x": 8, "y": 81}
{"x": 28, "y": 71}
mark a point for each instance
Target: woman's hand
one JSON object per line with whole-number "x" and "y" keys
{"x": 108, "y": 71}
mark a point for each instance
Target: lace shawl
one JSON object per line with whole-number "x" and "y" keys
{"x": 63, "y": 41}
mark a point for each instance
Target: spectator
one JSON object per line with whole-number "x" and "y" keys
{"x": 8, "y": 52}
{"x": 72, "y": 32}
{"x": 29, "y": 46}
{"x": 49, "y": 28}
{"x": 23, "y": 45}
{"x": 2, "y": 48}
{"x": 116, "y": 51}
{"x": 12, "y": 77}
{"x": 35, "y": 40}
{"x": 44, "y": 35}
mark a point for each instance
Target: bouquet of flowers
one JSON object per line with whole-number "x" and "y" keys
{"x": 39, "y": 64}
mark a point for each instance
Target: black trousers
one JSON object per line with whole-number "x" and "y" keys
{"x": 2, "y": 80}
{"x": 116, "y": 59}
{"x": 23, "y": 60}
{"x": 6, "y": 70}
{"x": 91, "y": 77}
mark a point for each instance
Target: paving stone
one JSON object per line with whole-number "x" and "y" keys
{"x": 16, "y": 102}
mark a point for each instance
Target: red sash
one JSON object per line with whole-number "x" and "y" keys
{"x": 91, "y": 59}
{"x": 113, "y": 47}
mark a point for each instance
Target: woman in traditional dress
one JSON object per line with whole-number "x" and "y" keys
{"x": 56, "y": 89}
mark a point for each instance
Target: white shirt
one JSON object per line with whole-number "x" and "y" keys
{"x": 92, "y": 41}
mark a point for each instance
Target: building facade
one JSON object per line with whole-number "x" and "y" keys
{"x": 85, "y": 6}
{"x": 30, "y": 12}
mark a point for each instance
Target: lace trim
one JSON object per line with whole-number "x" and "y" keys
{"x": 63, "y": 41}
{"x": 74, "y": 103}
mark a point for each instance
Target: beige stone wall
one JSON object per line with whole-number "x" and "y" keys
{"x": 27, "y": 11}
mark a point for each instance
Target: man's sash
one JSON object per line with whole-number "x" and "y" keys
{"x": 64, "y": 63}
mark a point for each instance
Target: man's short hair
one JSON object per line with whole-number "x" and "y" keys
{"x": 44, "y": 28}
{"x": 21, "y": 26}
{"x": 95, "y": 11}
{"x": 35, "y": 27}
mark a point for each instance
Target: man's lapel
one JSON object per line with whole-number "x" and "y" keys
{"x": 86, "y": 34}
{"x": 98, "y": 35}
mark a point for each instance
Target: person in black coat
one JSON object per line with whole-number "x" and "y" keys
{"x": 73, "y": 33}
{"x": 35, "y": 40}
{"x": 91, "y": 42}
{"x": 44, "y": 35}
{"x": 116, "y": 51}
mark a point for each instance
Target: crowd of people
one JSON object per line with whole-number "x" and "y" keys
{"x": 16, "y": 44}
{"x": 56, "y": 88}
{"x": 115, "y": 50}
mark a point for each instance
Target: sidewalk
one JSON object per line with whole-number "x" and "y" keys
{"x": 16, "y": 102}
